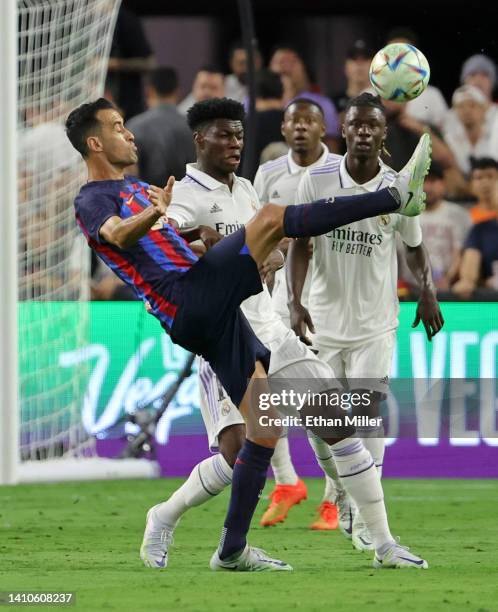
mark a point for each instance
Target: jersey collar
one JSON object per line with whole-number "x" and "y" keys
{"x": 373, "y": 185}
{"x": 295, "y": 168}
{"x": 205, "y": 180}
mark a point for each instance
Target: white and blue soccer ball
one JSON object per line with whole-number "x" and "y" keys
{"x": 399, "y": 72}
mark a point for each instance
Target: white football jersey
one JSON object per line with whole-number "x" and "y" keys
{"x": 277, "y": 181}
{"x": 353, "y": 296}
{"x": 199, "y": 199}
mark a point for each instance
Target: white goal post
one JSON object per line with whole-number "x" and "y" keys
{"x": 53, "y": 57}
{"x": 9, "y": 419}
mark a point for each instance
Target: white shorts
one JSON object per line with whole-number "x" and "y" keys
{"x": 290, "y": 360}
{"x": 370, "y": 362}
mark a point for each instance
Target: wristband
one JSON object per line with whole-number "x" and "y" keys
{"x": 283, "y": 258}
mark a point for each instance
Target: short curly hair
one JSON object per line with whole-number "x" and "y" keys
{"x": 82, "y": 120}
{"x": 203, "y": 113}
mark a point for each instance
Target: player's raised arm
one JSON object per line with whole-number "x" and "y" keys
{"x": 124, "y": 233}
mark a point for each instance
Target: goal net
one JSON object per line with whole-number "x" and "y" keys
{"x": 63, "y": 50}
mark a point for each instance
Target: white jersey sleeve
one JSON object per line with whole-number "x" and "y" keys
{"x": 261, "y": 187}
{"x": 306, "y": 191}
{"x": 183, "y": 207}
{"x": 409, "y": 229}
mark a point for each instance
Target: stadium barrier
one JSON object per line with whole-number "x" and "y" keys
{"x": 450, "y": 431}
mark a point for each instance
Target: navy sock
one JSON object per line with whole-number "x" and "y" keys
{"x": 322, "y": 216}
{"x": 249, "y": 477}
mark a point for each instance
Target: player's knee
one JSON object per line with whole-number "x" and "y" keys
{"x": 369, "y": 405}
{"x": 230, "y": 441}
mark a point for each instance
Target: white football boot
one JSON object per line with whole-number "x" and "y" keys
{"x": 361, "y": 536}
{"x": 251, "y": 559}
{"x": 156, "y": 542}
{"x": 409, "y": 182}
{"x": 399, "y": 557}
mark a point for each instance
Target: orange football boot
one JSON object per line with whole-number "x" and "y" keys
{"x": 283, "y": 497}
{"x": 327, "y": 517}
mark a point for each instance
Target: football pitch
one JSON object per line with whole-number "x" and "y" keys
{"x": 85, "y": 537}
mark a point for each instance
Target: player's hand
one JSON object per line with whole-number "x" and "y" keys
{"x": 209, "y": 236}
{"x": 275, "y": 261}
{"x": 300, "y": 319}
{"x": 429, "y": 313}
{"x": 161, "y": 198}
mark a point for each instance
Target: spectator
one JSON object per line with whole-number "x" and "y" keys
{"x": 356, "y": 69}
{"x": 273, "y": 151}
{"x": 209, "y": 83}
{"x": 479, "y": 265}
{"x": 403, "y": 134}
{"x": 287, "y": 62}
{"x": 477, "y": 71}
{"x": 430, "y": 107}
{"x": 484, "y": 186}
{"x": 480, "y": 71}
{"x": 131, "y": 56}
{"x": 444, "y": 229}
{"x": 471, "y": 135}
{"x": 162, "y": 135}
{"x": 269, "y": 115}
{"x": 236, "y": 82}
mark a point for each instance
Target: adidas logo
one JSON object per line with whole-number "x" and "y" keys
{"x": 215, "y": 208}
{"x": 275, "y": 194}
{"x": 384, "y": 380}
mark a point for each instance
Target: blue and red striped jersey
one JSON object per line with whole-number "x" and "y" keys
{"x": 155, "y": 263}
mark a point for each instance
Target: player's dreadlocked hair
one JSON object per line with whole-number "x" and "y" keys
{"x": 82, "y": 120}
{"x": 366, "y": 99}
{"x": 203, "y": 113}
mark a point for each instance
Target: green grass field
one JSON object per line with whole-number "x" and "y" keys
{"x": 84, "y": 537}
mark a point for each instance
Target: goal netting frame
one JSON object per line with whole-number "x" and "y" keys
{"x": 54, "y": 58}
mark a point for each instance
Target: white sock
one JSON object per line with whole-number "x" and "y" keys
{"x": 373, "y": 441}
{"x": 281, "y": 464}
{"x": 360, "y": 480}
{"x": 207, "y": 479}
{"x": 325, "y": 460}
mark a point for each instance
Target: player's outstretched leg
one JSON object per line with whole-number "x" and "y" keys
{"x": 207, "y": 479}
{"x": 405, "y": 196}
{"x": 289, "y": 489}
{"x": 361, "y": 481}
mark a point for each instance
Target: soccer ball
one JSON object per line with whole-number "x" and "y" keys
{"x": 399, "y": 72}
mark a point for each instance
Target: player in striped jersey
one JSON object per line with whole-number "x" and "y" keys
{"x": 277, "y": 181}
{"x": 352, "y": 304}
{"x": 197, "y": 302}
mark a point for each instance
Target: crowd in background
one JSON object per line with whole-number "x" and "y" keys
{"x": 460, "y": 225}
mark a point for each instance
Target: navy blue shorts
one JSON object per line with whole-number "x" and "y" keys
{"x": 209, "y": 322}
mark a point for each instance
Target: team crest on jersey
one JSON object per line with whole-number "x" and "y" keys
{"x": 215, "y": 208}
{"x": 384, "y": 220}
{"x": 225, "y": 407}
{"x": 254, "y": 205}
